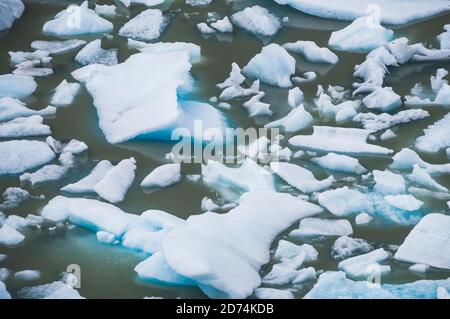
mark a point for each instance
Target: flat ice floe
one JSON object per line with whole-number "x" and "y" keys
{"x": 58, "y": 47}
{"x": 146, "y": 26}
{"x": 340, "y": 163}
{"x": 297, "y": 119}
{"x": 16, "y": 86}
{"x": 257, "y": 20}
{"x": 167, "y": 47}
{"x": 362, "y": 35}
{"x": 338, "y": 140}
{"x": 163, "y": 176}
{"x": 378, "y": 122}
{"x": 232, "y": 86}
{"x": 24, "y": 127}
{"x": 363, "y": 266}
{"x": 54, "y": 290}
{"x": 444, "y": 38}
{"x": 318, "y": 228}
{"x": 406, "y": 158}
{"x": 20, "y": 156}
{"x": 10, "y": 10}
{"x": 65, "y": 93}
{"x": 312, "y": 52}
{"x": 391, "y": 11}
{"x": 9, "y": 236}
{"x": 86, "y": 184}
{"x": 435, "y": 137}
{"x": 93, "y": 53}
{"x": 428, "y": 243}
{"x": 243, "y": 236}
{"x": 51, "y": 172}
{"x": 334, "y": 284}
{"x": 344, "y": 201}
{"x": 272, "y": 293}
{"x": 273, "y": 66}
{"x": 387, "y": 182}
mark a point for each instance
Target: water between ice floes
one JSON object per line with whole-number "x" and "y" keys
{"x": 107, "y": 271}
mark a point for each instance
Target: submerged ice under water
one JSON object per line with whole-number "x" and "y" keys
{"x": 370, "y": 205}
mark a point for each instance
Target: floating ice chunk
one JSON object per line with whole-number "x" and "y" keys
{"x": 340, "y": 163}
{"x": 11, "y": 108}
{"x": 146, "y": 26}
{"x": 30, "y": 68}
{"x": 4, "y": 274}
{"x": 304, "y": 275}
{"x": 273, "y": 66}
{"x": 272, "y": 293}
{"x": 3, "y": 257}
{"x": 316, "y": 228}
{"x": 205, "y": 29}
{"x": 300, "y": 177}
{"x": 148, "y": 3}
{"x": 307, "y": 77}
{"x": 10, "y": 10}
{"x": 108, "y": 11}
{"x": 255, "y": 107}
{"x": 20, "y": 56}
{"x": 363, "y": 219}
{"x": 444, "y": 38}
{"x": 391, "y": 12}
{"x": 163, "y": 176}
{"x": 92, "y": 53}
{"x": 387, "y": 135}
{"x": 331, "y": 105}
{"x": 114, "y": 186}
{"x": 191, "y": 250}
{"x": 295, "y": 97}
{"x": 435, "y": 137}
{"x": 422, "y": 178}
{"x": 405, "y": 202}
{"x": 284, "y": 273}
{"x": 77, "y": 20}
{"x": 75, "y": 147}
{"x": 344, "y": 201}
{"x": 387, "y": 182}
{"x": 198, "y": 3}
{"x": 407, "y": 158}
{"x": 378, "y": 122}
{"x": 51, "y": 172}
{"x": 20, "y": 156}
{"x": 4, "y": 294}
{"x": 257, "y": 20}
{"x": 13, "y": 197}
{"x": 442, "y": 293}
{"x": 428, "y": 242}
{"x": 165, "y": 47}
{"x": 223, "y": 25}
{"x": 287, "y": 250}
{"x": 9, "y": 236}
{"x": 383, "y": 99}
{"x": 54, "y": 290}
{"x": 105, "y": 237}
{"x": 24, "y": 127}
{"x": 16, "y": 86}
{"x": 363, "y": 266}
{"x": 338, "y": 140}
{"x": 232, "y": 85}
{"x": 16, "y": 222}
{"x": 345, "y": 247}
{"x": 362, "y": 35}
{"x": 86, "y": 184}
{"x": 65, "y": 93}
{"x": 419, "y": 269}
{"x": 27, "y": 275}
{"x": 297, "y": 119}
{"x": 312, "y": 52}
{"x": 58, "y": 47}
{"x": 335, "y": 284}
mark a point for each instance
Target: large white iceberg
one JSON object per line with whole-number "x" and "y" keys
{"x": 10, "y": 10}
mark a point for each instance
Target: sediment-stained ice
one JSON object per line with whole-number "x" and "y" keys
{"x": 16, "y": 86}
{"x": 257, "y": 20}
{"x": 312, "y": 52}
{"x": 146, "y": 26}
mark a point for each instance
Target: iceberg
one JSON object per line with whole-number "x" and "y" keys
{"x": 163, "y": 176}
{"x": 58, "y": 47}
{"x": 257, "y": 20}
{"x": 435, "y": 137}
{"x": 54, "y": 290}
{"x": 108, "y": 11}
{"x": 297, "y": 119}
{"x": 295, "y": 97}
{"x": 340, "y": 163}
{"x": 86, "y": 184}
{"x": 9, "y": 236}
{"x": 364, "y": 34}
{"x": 338, "y": 140}
{"x": 300, "y": 177}
{"x": 16, "y": 86}
{"x": 312, "y": 52}
{"x": 396, "y": 12}
{"x": 361, "y": 267}
{"x": 243, "y": 236}
{"x": 332, "y": 105}
{"x": 379, "y": 122}
{"x": 10, "y": 10}
{"x": 36, "y": 56}
{"x": 256, "y": 108}
{"x": 77, "y": 20}
{"x": 345, "y": 247}
{"x": 344, "y": 201}
{"x": 428, "y": 243}
{"x": 407, "y": 158}
{"x": 287, "y": 250}
{"x": 93, "y": 53}
{"x": 318, "y": 228}
{"x": 23, "y": 155}
{"x": 273, "y": 66}
{"x": 146, "y": 26}
{"x": 383, "y": 99}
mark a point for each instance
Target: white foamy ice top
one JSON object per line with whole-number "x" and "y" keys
{"x": 54, "y": 290}
{"x": 22, "y": 155}
{"x": 146, "y": 26}
{"x": 315, "y": 228}
{"x": 77, "y": 20}
{"x": 391, "y": 11}
{"x": 9, "y": 236}
{"x": 223, "y": 25}
{"x": 273, "y": 66}
{"x": 65, "y": 93}
{"x": 387, "y": 182}
{"x": 243, "y": 236}
{"x": 444, "y": 38}
{"x": 312, "y": 52}
{"x": 363, "y": 266}
{"x": 362, "y": 35}
{"x": 435, "y": 137}
{"x": 257, "y": 20}
{"x": 163, "y": 176}
{"x": 297, "y": 119}
{"x": 340, "y": 163}
{"x": 16, "y": 86}
{"x": 93, "y": 53}
{"x": 378, "y": 122}
{"x": 428, "y": 243}
{"x": 332, "y": 105}
{"x": 11, "y": 108}
{"x": 58, "y": 47}
{"x": 24, "y": 127}
{"x": 345, "y": 247}
{"x": 168, "y": 47}
{"x": 338, "y": 140}
{"x": 272, "y": 293}
{"x": 108, "y": 11}
{"x": 137, "y": 97}
{"x": 10, "y": 10}
{"x": 300, "y": 177}
{"x": 344, "y": 201}
{"x": 383, "y": 99}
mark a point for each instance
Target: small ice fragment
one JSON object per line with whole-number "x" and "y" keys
{"x": 163, "y": 176}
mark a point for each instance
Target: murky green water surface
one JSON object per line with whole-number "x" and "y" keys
{"x": 107, "y": 271}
